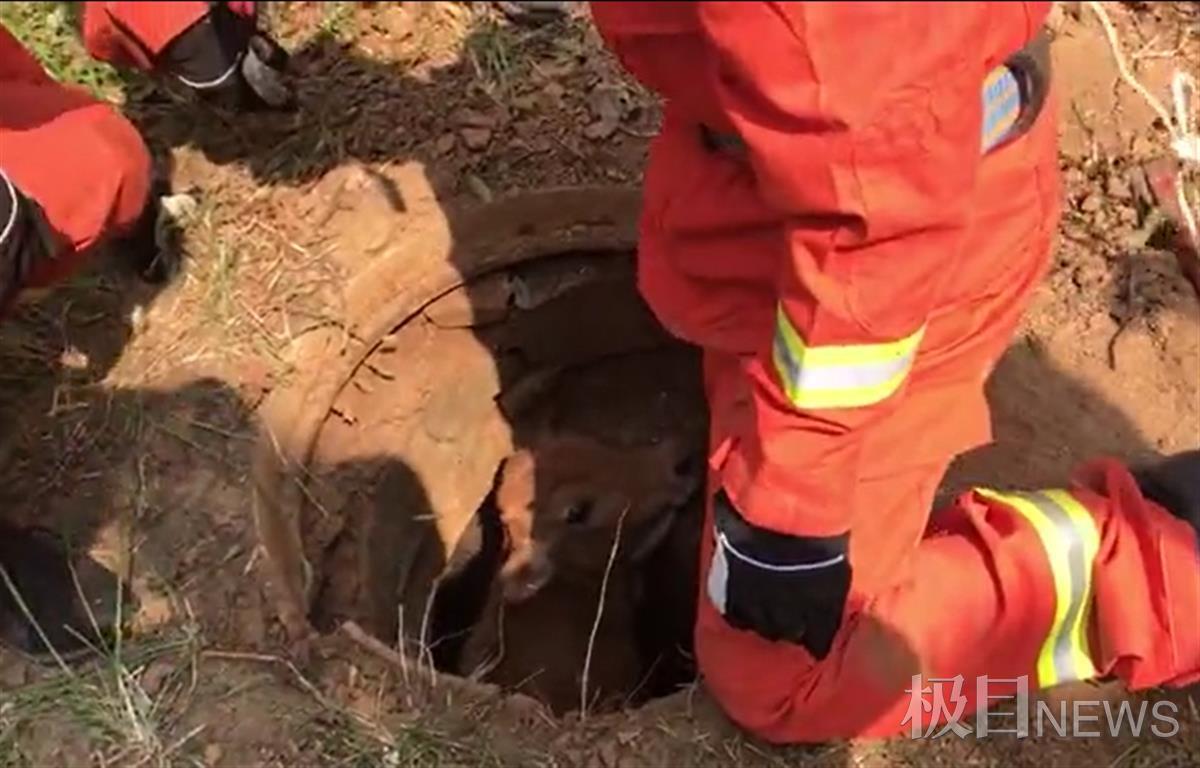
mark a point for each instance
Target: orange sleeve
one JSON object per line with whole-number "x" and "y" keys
{"x": 133, "y": 34}
{"x": 861, "y": 123}
{"x": 17, "y": 64}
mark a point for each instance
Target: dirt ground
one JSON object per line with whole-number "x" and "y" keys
{"x": 129, "y": 410}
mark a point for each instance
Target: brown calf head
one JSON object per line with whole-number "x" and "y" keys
{"x": 562, "y": 500}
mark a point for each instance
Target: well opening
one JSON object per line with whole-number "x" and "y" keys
{"x": 401, "y": 527}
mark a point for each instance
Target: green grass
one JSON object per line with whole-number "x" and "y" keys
{"x": 337, "y": 19}
{"x": 104, "y": 707}
{"x": 335, "y": 739}
{"x": 492, "y": 50}
{"x": 49, "y": 31}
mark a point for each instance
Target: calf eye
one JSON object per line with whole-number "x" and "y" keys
{"x": 579, "y": 512}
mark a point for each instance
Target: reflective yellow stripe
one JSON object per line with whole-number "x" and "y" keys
{"x": 1069, "y": 536}
{"x": 841, "y": 376}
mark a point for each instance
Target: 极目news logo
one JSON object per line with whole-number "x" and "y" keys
{"x": 938, "y": 707}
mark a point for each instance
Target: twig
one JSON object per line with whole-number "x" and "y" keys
{"x": 269, "y": 659}
{"x": 423, "y": 638}
{"x": 1114, "y": 43}
{"x": 1121, "y": 757}
{"x": 161, "y": 756}
{"x": 1178, "y": 126}
{"x": 1125, "y": 321}
{"x": 400, "y": 643}
{"x": 218, "y": 431}
{"x": 252, "y": 560}
{"x": 389, "y": 655}
{"x": 587, "y": 660}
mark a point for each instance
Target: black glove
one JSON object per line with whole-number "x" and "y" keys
{"x": 1174, "y": 484}
{"x": 226, "y": 60}
{"x": 26, "y": 239}
{"x": 788, "y": 588}
{"x": 139, "y": 248}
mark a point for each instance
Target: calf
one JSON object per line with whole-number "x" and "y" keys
{"x": 561, "y": 504}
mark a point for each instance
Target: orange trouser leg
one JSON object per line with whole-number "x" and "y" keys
{"x": 83, "y": 163}
{"x": 1054, "y": 587}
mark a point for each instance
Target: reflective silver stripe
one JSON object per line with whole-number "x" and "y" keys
{"x": 212, "y": 83}
{"x": 1079, "y": 569}
{"x": 12, "y": 213}
{"x": 718, "y": 577}
{"x": 839, "y": 375}
{"x": 811, "y": 379}
{"x": 724, "y": 542}
{"x": 1070, "y": 538}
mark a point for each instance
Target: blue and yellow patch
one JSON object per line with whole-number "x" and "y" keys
{"x": 1001, "y": 106}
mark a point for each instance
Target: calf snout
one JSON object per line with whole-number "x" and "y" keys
{"x": 525, "y": 572}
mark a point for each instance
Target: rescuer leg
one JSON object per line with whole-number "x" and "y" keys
{"x": 1011, "y": 589}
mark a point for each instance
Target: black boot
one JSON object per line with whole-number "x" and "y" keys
{"x": 140, "y": 248}
{"x": 52, "y": 603}
{"x": 1174, "y": 484}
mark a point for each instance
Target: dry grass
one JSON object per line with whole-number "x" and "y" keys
{"x": 106, "y": 702}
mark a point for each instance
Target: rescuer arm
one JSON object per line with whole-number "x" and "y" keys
{"x": 26, "y": 239}
{"x": 214, "y": 48}
{"x": 862, "y": 128}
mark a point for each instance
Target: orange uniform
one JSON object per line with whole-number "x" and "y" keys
{"x": 82, "y": 163}
{"x": 854, "y": 266}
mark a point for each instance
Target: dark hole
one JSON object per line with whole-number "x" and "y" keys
{"x": 663, "y": 610}
{"x": 464, "y": 589}
{"x": 68, "y": 596}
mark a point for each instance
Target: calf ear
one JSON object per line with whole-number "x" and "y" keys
{"x": 514, "y": 470}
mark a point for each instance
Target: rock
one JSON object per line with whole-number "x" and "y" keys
{"x": 524, "y": 103}
{"x": 445, "y": 144}
{"x": 1143, "y": 146}
{"x": 13, "y": 674}
{"x": 1074, "y": 177}
{"x": 1089, "y": 276}
{"x": 605, "y": 103}
{"x": 1118, "y": 187}
{"x": 473, "y": 119}
{"x": 476, "y": 139}
{"x": 609, "y": 755}
{"x": 600, "y": 129}
{"x": 155, "y": 675}
{"x": 213, "y": 754}
{"x": 1091, "y": 203}
{"x": 74, "y": 359}
{"x": 527, "y": 129}
{"x": 479, "y": 188}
